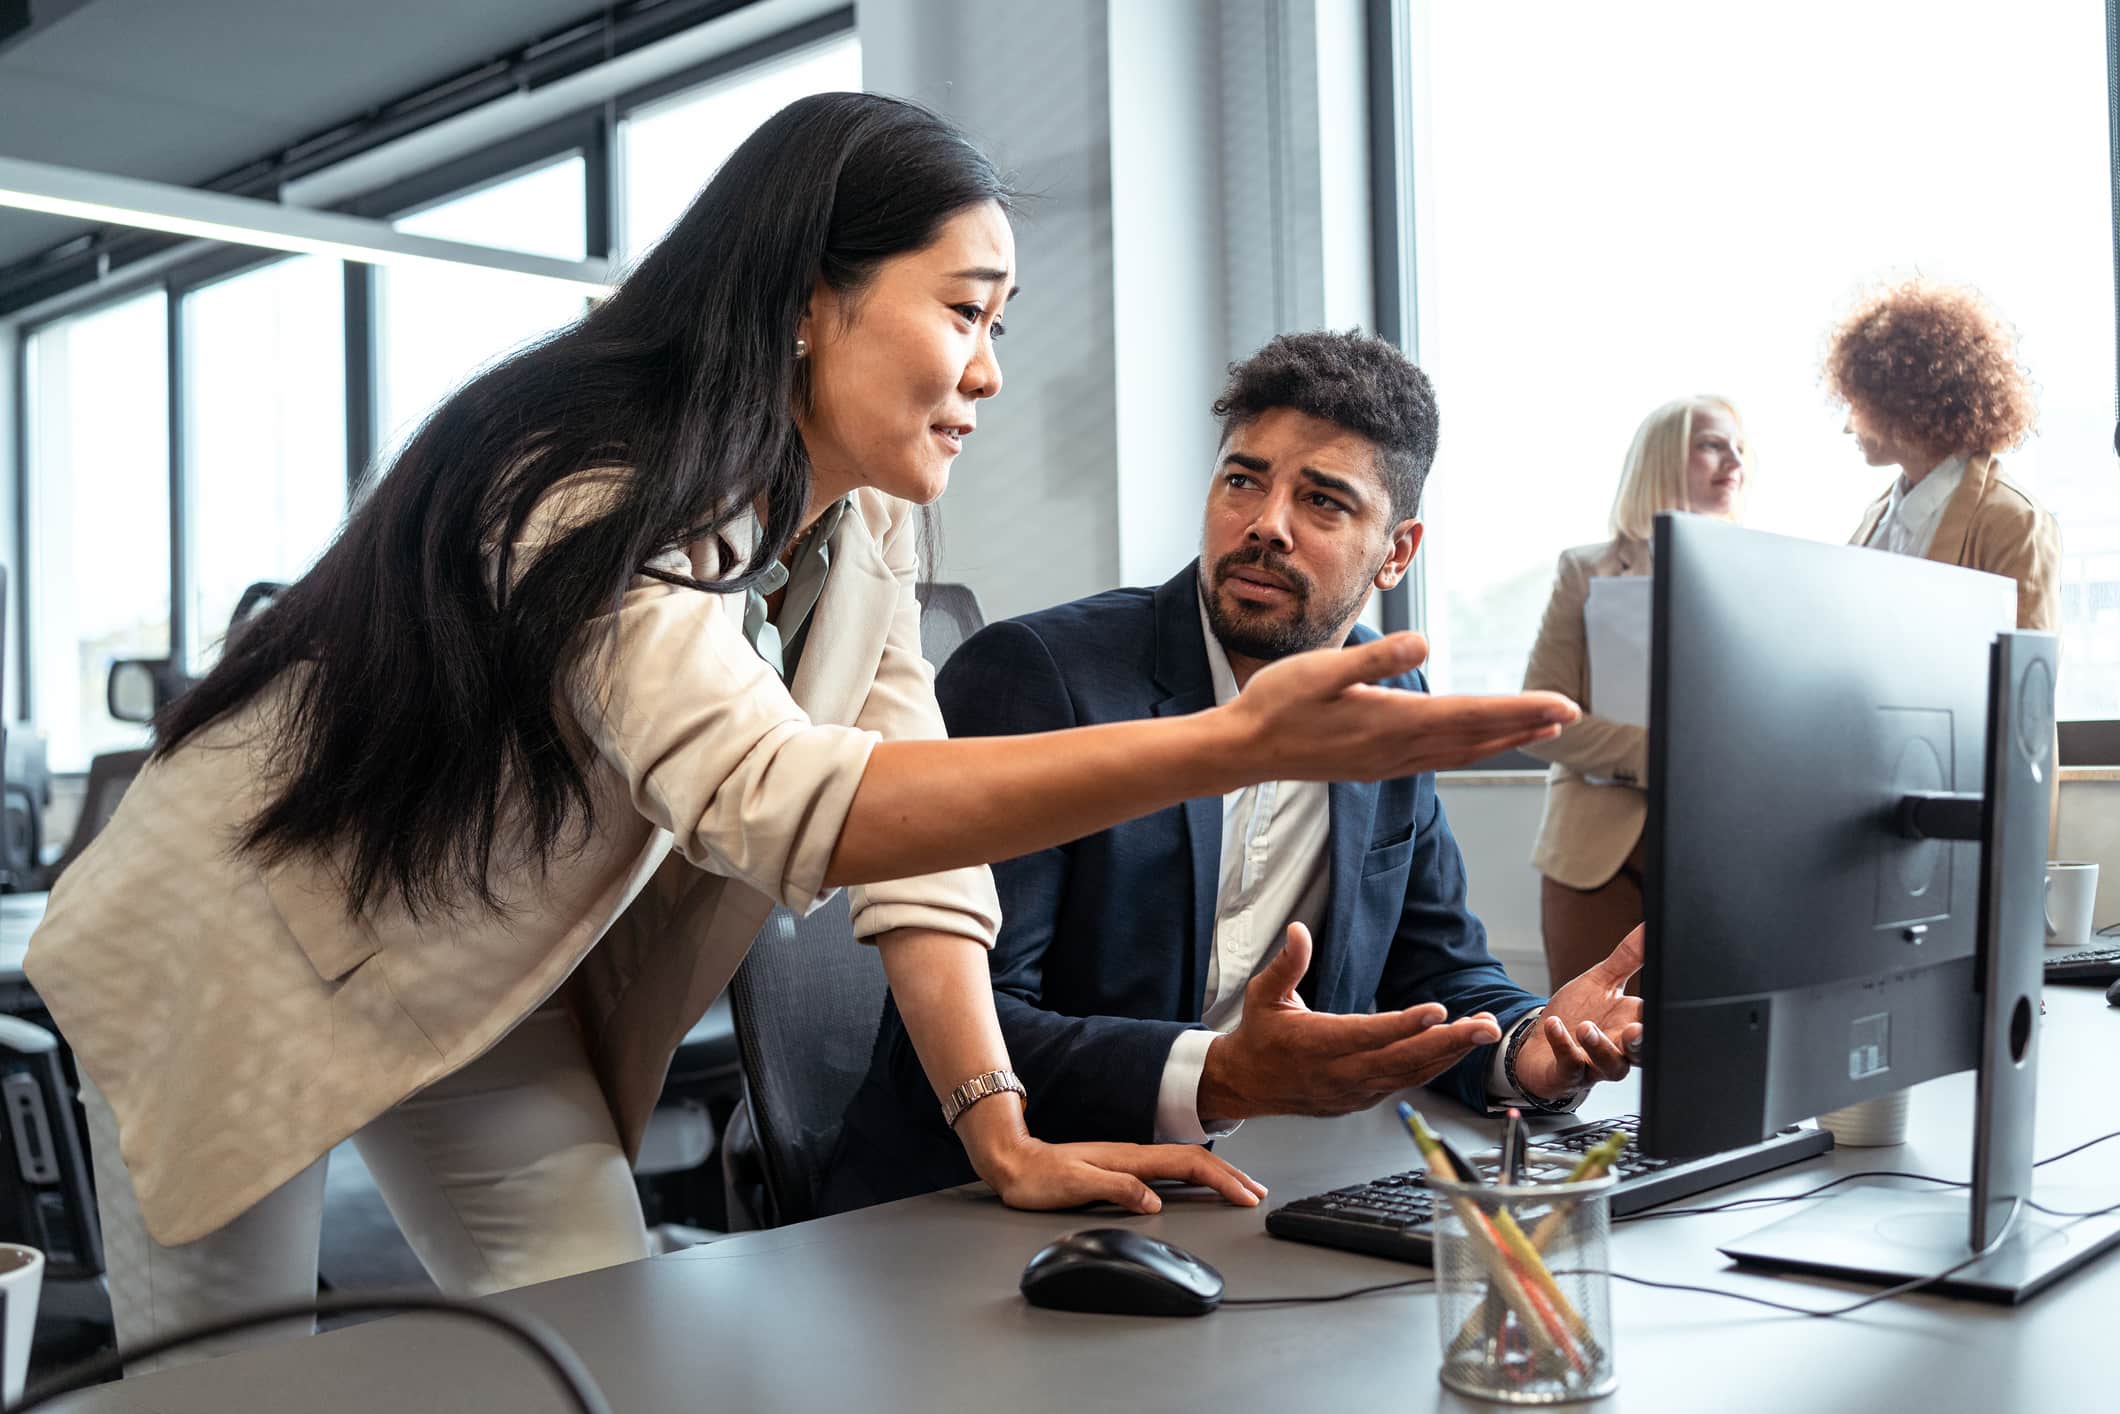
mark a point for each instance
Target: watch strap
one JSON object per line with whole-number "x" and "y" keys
{"x": 979, "y": 1087}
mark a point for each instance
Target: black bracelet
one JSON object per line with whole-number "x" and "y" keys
{"x": 1523, "y": 1032}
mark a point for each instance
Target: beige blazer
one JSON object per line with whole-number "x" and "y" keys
{"x": 240, "y": 1024}
{"x": 1991, "y": 524}
{"x": 1596, "y": 801}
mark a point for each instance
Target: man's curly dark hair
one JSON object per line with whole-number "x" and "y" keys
{"x": 1937, "y": 363}
{"x": 1360, "y": 383}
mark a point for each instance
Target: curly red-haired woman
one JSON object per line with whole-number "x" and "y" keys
{"x": 1930, "y": 377}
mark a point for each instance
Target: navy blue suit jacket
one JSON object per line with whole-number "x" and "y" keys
{"x": 1102, "y": 958}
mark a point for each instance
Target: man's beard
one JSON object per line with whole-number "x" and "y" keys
{"x": 1261, "y": 633}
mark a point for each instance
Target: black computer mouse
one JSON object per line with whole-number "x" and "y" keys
{"x": 2112, "y": 993}
{"x": 1123, "y": 1273}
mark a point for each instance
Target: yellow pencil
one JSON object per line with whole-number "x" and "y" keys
{"x": 1515, "y": 1279}
{"x": 1592, "y": 1165}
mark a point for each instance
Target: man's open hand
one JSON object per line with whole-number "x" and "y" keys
{"x": 1588, "y": 1026}
{"x": 1284, "y": 1058}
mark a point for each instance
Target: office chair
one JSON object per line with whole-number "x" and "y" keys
{"x": 807, "y": 1001}
{"x": 949, "y": 614}
{"x": 28, "y": 792}
{"x": 48, "y": 1202}
{"x": 108, "y": 776}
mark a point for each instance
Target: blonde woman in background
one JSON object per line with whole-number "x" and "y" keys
{"x": 1688, "y": 455}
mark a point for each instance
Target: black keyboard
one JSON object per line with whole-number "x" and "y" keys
{"x": 1389, "y": 1216}
{"x": 2087, "y": 967}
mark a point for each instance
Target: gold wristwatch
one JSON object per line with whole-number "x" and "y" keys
{"x": 972, "y": 1091}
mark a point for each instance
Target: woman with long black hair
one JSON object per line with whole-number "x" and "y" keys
{"x": 465, "y": 831}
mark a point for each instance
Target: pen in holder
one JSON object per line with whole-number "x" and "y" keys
{"x": 1525, "y": 1306}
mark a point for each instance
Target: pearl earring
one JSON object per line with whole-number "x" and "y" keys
{"x": 802, "y": 348}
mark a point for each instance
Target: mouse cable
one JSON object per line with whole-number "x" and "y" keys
{"x": 551, "y": 1352}
{"x": 1331, "y": 1296}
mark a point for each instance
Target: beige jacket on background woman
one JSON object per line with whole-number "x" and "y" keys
{"x": 1991, "y": 524}
{"x": 1596, "y": 800}
{"x": 240, "y": 1024}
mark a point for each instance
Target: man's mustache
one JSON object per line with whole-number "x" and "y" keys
{"x": 1259, "y": 557}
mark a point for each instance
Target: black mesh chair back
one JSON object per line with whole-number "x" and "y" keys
{"x": 949, "y": 614}
{"x": 108, "y": 776}
{"x": 808, "y": 1000}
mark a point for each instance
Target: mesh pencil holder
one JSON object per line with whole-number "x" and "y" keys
{"x": 1523, "y": 1299}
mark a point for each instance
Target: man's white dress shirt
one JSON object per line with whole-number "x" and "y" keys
{"x": 1276, "y": 870}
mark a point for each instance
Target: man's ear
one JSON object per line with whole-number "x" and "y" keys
{"x": 1405, "y": 540}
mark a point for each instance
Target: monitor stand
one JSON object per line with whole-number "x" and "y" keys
{"x": 1885, "y": 1236}
{"x": 1874, "y": 1233}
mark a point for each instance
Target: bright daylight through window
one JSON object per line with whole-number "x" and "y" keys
{"x": 1690, "y": 213}
{"x": 98, "y": 517}
{"x": 265, "y": 427}
{"x": 670, "y": 149}
{"x": 437, "y": 325}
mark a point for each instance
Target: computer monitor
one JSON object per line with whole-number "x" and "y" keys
{"x": 1850, "y": 763}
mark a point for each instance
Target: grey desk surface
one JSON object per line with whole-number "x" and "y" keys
{"x": 19, "y": 916}
{"x": 913, "y": 1306}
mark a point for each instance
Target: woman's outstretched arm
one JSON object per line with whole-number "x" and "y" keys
{"x": 924, "y": 806}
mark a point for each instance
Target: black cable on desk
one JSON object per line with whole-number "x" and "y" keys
{"x": 1770, "y": 1199}
{"x": 1902, "y": 1289}
{"x": 2070, "y": 1153}
{"x": 551, "y": 1352}
{"x": 1334, "y": 1296}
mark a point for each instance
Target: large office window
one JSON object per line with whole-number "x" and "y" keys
{"x": 671, "y": 148}
{"x": 98, "y": 517}
{"x": 1690, "y": 213}
{"x": 264, "y": 424}
{"x": 436, "y": 326}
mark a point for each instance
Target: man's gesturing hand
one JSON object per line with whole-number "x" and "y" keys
{"x": 1588, "y": 1025}
{"x": 1284, "y": 1058}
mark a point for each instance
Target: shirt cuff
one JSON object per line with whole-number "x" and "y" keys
{"x": 1501, "y": 1094}
{"x": 1178, "y": 1097}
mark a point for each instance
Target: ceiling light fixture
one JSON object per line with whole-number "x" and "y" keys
{"x": 242, "y": 220}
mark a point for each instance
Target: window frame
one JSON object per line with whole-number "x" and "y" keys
{"x": 587, "y": 134}
{"x": 590, "y": 131}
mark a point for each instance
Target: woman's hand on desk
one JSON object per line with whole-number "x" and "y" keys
{"x": 1029, "y": 1173}
{"x": 1588, "y": 1026}
{"x": 1317, "y": 717}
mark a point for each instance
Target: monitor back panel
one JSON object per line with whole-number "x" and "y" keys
{"x": 1801, "y": 954}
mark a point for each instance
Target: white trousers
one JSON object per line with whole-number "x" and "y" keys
{"x": 505, "y": 1173}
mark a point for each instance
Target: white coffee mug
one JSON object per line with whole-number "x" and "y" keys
{"x": 2071, "y": 889}
{"x": 1872, "y": 1124}
{"x": 21, "y": 1278}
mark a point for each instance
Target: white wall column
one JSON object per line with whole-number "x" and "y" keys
{"x": 1197, "y": 175}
